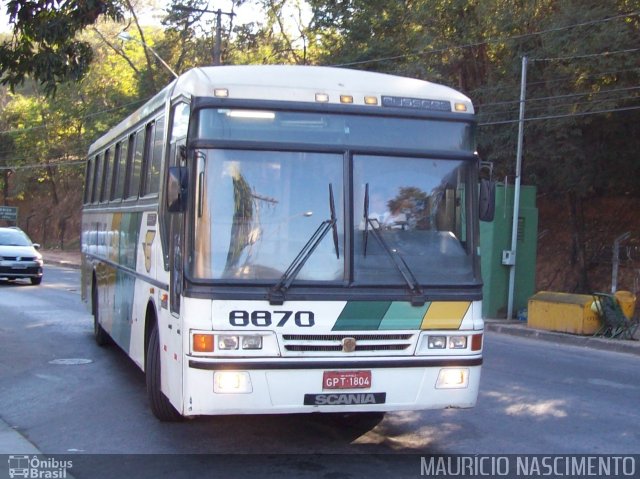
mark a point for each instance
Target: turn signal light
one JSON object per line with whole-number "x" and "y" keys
{"x": 203, "y": 343}
{"x": 476, "y": 342}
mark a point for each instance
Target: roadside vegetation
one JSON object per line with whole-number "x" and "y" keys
{"x": 582, "y": 135}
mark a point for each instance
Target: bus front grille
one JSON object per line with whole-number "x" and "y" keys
{"x": 333, "y": 344}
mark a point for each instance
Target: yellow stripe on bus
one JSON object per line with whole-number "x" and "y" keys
{"x": 445, "y": 315}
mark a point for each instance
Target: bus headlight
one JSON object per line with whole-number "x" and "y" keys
{"x": 228, "y": 343}
{"x": 233, "y": 344}
{"x": 437, "y": 342}
{"x": 251, "y": 342}
{"x": 457, "y": 342}
{"x": 453, "y": 378}
{"x": 225, "y": 382}
{"x": 430, "y": 344}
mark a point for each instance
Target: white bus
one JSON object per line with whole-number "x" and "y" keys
{"x": 287, "y": 239}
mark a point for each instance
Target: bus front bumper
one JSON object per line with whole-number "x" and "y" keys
{"x": 281, "y": 386}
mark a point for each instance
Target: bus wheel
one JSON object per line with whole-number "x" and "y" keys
{"x": 99, "y": 334}
{"x": 160, "y": 405}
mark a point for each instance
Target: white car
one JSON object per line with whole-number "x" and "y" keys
{"x": 19, "y": 257}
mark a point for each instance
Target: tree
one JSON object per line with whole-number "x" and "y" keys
{"x": 583, "y": 126}
{"x": 45, "y": 139}
{"x": 44, "y": 45}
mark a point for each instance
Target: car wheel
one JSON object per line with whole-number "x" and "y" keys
{"x": 36, "y": 281}
{"x": 160, "y": 405}
{"x": 99, "y": 334}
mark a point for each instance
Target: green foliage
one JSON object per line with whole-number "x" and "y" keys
{"x": 477, "y": 46}
{"x": 55, "y": 132}
{"x": 583, "y": 122}
{"x": 44, "y": 46}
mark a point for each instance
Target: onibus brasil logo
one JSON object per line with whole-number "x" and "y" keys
{"x": 38, "y": 467}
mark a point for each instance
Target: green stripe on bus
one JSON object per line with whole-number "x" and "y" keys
{"x": 402, "y": 315}
{"x": 362, "y": 315}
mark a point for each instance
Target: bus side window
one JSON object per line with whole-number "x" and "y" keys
{"x": 97, "y": 179}
{"x": 136, "y": 165}
{"x": 170, "y": 233}
{"x": 115, "y": 169}
{"x": 153, "y": 164}
{"x": 88, "y": 182}
{"x": 126, "y": 159}
{"x": 180, "y": 122}
{"x": 105, "y": 192}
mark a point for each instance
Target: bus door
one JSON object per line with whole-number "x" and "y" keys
{"x": 176, "y": 240}
{"x": 177, "y": 157}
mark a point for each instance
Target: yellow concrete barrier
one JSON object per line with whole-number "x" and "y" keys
{"x": 627, "y": 301}
{"x": 563, "y": 312}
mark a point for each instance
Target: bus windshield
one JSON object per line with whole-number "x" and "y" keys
{"x": 335, "y": 130}
{"x": 257, "y": 209}
{"x": 417, "y": 207}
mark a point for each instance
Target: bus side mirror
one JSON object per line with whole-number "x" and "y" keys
{"x": 177, "y": 189}
{"x": 487, "y": 203}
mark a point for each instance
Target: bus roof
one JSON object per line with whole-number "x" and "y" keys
{"x": 295, "y": 83}
{"x": 301, "y": 83}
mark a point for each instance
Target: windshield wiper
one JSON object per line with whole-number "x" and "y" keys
{"x": 277, "y": 293}
{"x": 417, "y": 296}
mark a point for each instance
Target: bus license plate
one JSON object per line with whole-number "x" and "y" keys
{"x": 346, "y": 380}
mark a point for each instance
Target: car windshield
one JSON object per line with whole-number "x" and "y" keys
{"x": 10, "y": 237}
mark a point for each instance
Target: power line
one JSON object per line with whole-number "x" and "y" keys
{"x": 43, "y": 165}
{"x": 555, "y": 80}
{"x": 505, "y": 122}
{"x": 490, "y": 41}
{"x": 84, "y": 117}
{"x": 588, "y": 55}
{"x": 76, "y": 150}
{"x": 549, "y": 108}
{"x": 569, "y": 95}
{"x": 569, "y": 115}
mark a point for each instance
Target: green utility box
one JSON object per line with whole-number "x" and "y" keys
{"x": 495, "y": 238}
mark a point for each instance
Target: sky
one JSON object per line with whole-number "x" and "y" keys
{"x": 4, "y": 19}
{"x": 245, "y": 14}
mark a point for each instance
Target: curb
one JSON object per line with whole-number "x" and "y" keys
{"x": 515, "y": 328}
{"x": 12, "y": 442}
{"x": 59, "y": 260}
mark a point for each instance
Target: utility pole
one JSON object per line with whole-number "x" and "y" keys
{"x": 509, "y": 257}
{"x": 217, "y": 43}
{"x": 126, "y": 37}
{"x": 217, "y": 50}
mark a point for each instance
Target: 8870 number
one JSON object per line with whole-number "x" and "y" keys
{"x": 262, "y": 319}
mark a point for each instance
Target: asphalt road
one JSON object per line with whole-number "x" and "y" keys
{"x": 69, "y": 396}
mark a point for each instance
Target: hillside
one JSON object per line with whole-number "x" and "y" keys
{"x": 605, "y": 219}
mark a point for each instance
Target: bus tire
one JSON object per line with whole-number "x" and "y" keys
{"x": 160, "y": 405}
{"x": 99, "y": 334}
